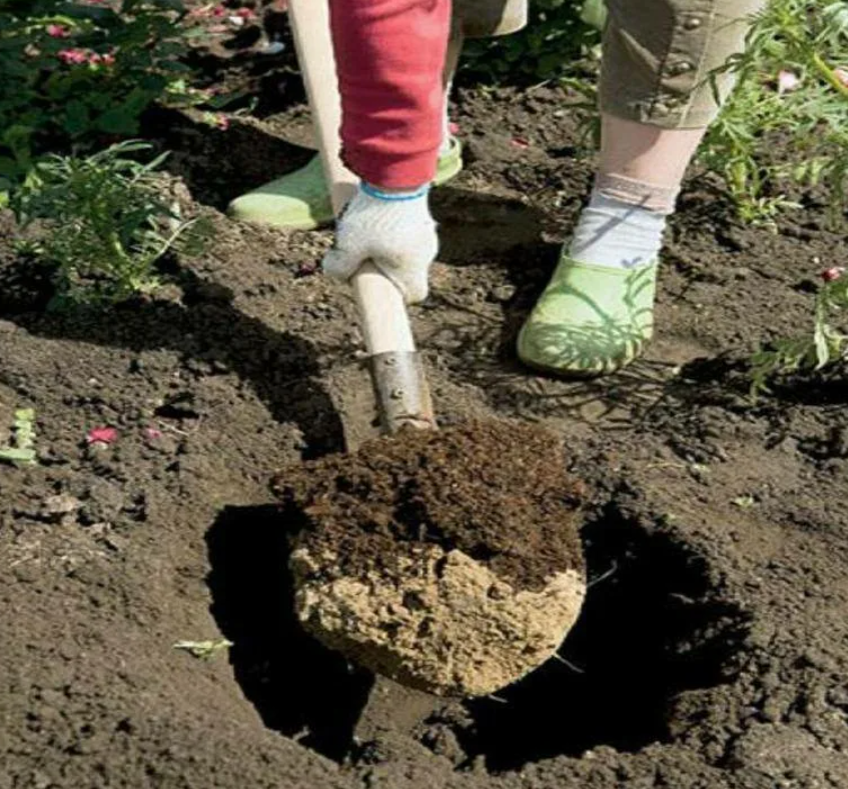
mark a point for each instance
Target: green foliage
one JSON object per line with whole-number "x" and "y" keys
{"x": 556, "y": 39}
{"x": 825, "y": 347}
{"x": 204, "y": 650}
{"x": 792, "y": 98}
{"x": 105, "y": 226}
{"x": 76, "y": 73}
{"x": 21, "y": 451}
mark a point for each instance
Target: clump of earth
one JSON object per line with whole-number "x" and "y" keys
{"x": 447, "y": 560}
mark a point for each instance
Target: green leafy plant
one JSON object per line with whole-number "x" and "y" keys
{"x": 826, "y": 346}
{"x": 594, "y": 13}
{"x": 75, "y": 73}
{"x": 558, "y": 37}
{"x": 105, "y": 225}
{"x": 21, "y": 451}
{"x": 792, "y": 95}
{"x": 204, "y": 650}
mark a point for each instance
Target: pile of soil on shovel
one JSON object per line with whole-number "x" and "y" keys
{"x": 449, "y": 560}
{"x": 497, "y": 491}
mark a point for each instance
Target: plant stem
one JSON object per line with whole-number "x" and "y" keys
{"x": 829, "y": 75}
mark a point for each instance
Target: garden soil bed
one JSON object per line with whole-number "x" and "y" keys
{"x": 712, "y": 651}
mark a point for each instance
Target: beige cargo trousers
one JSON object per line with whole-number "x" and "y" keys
{"x": 657, "y": 54}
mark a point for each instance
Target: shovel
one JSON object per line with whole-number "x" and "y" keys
{"x": 456, "y": 627}
{"x": 397, "y": 373}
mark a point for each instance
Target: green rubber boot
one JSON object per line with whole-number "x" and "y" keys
{"x": 301, "y": 200}
{"x": 590, "y": 320}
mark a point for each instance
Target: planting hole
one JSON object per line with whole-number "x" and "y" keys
{"x": 651, "y": 627}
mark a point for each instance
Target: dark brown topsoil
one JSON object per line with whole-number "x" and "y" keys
{"x": 514, "y": 511}
{"x": 712, "y": 652}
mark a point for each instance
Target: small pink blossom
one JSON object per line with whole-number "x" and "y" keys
{"x": 72, "y": 56}
{"x": 152, "y": 433}
{"x": 219, "y": 11}
{"x": 94, "y": 58}
{"x": 101, "y": 435}
{"x": 58, "y": 31}
{"x": 245, "y": 13}
{"x": 453, "y": 128}
{"x": 787, "y": 81}
{"x": 108, "y": 59}
{"x": 832, "y": 274}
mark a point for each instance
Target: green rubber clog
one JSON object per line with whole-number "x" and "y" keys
{"x": 590, "y": 320}
{"x": 301, "y": 200}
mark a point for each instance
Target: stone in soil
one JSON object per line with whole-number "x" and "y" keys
{"x": 448, "y": 560}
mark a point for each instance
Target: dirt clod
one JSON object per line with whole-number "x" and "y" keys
{"x": 439, "y": 558}
{"x": 495, "y": 490}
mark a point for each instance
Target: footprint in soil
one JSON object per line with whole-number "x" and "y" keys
{"x": 652, "y": 627}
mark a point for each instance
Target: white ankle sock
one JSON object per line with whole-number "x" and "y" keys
{"x": 616, "y": 234}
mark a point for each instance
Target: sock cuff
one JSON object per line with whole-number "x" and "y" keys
{"x": 394, "y": 197}
{"x": 652, "y": 197}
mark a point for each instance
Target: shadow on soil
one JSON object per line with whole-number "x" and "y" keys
{"x": 651, "y": 628}
{"x": 245, "y": 156}
{"x": 280, "y": 367}
{"x": 299, "y": 688}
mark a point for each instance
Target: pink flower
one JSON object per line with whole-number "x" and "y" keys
{"x": 72, "y": 56}
{"x": 245, "y": 13}
{"x": 152, "y": 433}
{"x": 787, "y": 81}
{"x": 58, "y": 31}
{"x": 832, "y": 274}
{"x": 96, "y": 59}
{"x": 101, "y": 435}
{"x": 453, "y": 128}
{"x": 219, "y": 11}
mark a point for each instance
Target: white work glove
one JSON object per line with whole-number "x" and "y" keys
{"x": 394, "y": 231}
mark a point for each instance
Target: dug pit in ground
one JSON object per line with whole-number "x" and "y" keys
{"x": 449, "y": 560}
